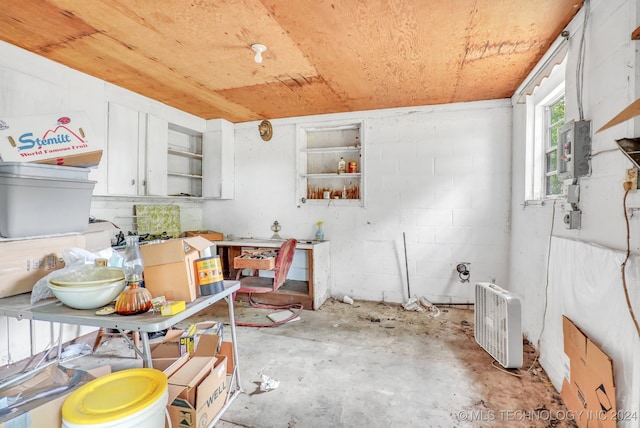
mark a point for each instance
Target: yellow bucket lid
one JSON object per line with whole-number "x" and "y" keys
{"x": 115, "y": 396}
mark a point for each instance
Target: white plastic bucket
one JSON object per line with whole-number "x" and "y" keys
{"x": 134, "y": 398}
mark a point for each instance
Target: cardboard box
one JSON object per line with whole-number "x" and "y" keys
{"x": 187, "y": 340}
{"x": 166, "y": 355}
{"x": 191, "y": 336}
{"x": 47, "y": 412}
{"x": 590, "y": 389}
{"x": 211, "y": 344}
{"x": 191, "y": 375}
{"x": 198, "y": 391}
{"x": 206, "y": 234}
{"x": 226, "y": 350}
{"x": 60, "y": 139}
{"x": 169, "y": 351}
{"x": 197, "y": 381}
{"x": 169, "y": 347}
{"x": 169, "y": 267}
{"x": 98, "y": 235}
{"x": 84, "y": 160}
{"x": 24, "y": 262}
{"x": 632, "y": 110}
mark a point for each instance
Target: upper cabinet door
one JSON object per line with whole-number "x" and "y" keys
{"x": 218, "y": 164}
{"x": 156, "y": 155}
{"x": 122, "y": 150}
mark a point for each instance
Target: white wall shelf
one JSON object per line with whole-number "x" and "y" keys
{"x": 183, "y": 174}
{"x": 183, "y": 153}
{"x": 332, "y": 149}
{"x": 184, "y": 162}
{"x": 331, "y": 175}
{"x": 319, "y": 149}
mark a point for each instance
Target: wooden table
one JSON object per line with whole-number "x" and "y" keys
{"x": 312, "y": 292}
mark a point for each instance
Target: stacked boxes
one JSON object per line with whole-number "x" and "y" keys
{"x": 198, "y": 380}
{"x": 43, "y": 176}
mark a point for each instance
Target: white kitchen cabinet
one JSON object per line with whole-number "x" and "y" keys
{"x": 202, "y": 164}
{"x": 184, "y": 162}
{"x": 320, "y": 149}
{"x": 123, "y": 134}
{"x": 149, "y": 156}
{"x": 136, "y": 153}
{"x": 154, "y": 162}
{"x": 218, "y": 163}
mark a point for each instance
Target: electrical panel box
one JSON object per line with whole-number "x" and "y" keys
{"x": 572, "y": 193}
{"x": 572, "y": 219}
{"x": 574, "y": 149}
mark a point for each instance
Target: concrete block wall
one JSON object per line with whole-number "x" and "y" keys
{"x": 610, "y": 84}
{"x": 608, "y": 89}
{"x": 439, "y": 174}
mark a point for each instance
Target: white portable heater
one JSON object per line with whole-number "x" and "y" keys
{"x": 498, "y": 324}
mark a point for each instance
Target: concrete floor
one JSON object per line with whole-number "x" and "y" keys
{"x": 368, "y": 365}
{"x": 332, "y": 374}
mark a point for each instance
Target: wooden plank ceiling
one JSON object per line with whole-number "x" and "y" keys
{"x": 323, "y": 56}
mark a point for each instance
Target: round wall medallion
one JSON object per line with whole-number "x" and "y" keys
{"x": 265, "y": 129}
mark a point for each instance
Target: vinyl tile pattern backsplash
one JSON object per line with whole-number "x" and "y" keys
{"x": 158, "y": 219}
{"x": 121, "y": 213}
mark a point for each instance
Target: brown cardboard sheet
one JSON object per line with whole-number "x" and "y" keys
{"x": 589, "y": 392}
{"x": 630, "y": 111}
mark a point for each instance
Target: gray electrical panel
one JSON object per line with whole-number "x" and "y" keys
{"x": 572, "y": 219}
{"x": 574, "y": 149}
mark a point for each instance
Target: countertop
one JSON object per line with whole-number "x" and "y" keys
{"x": 304, "y": 244}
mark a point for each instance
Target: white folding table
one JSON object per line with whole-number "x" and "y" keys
{"x": 54, "y": 311}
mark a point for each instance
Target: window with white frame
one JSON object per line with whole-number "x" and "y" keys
{"x": 545, "y": 116}
{"x": 553, "y": 120}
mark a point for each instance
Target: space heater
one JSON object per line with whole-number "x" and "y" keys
{"x": 498, "y": 324}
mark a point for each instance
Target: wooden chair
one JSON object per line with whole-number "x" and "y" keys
{"x": 255, "y": 284}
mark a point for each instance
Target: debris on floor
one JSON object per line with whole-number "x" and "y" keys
{"x": 75, "y": 350}
{"x": 268, "y": 384}
{"x": 373, "y": 318}
{"x": 420, "y": 305}
{"x": 282, "y": 315}
{"x": 348, "y": 300}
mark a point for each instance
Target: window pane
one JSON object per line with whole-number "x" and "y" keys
{"x": 552, "y": 161}
{"x": 554, "y": 134}
{"x": 554, "y": 186}
{"x": 557, "y": 111}
{"x": 555, "y": 116}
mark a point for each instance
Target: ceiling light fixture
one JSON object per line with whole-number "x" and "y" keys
{"x": 259, "y": 50}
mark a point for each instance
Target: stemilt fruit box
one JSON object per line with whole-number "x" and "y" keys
{"x": 60, "y": 139}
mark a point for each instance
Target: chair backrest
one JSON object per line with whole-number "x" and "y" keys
{"x": 283, "y": 262}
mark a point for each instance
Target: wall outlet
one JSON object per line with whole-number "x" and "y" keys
{"x": 572, "y": 219}
{"x": 631, "y": 177}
